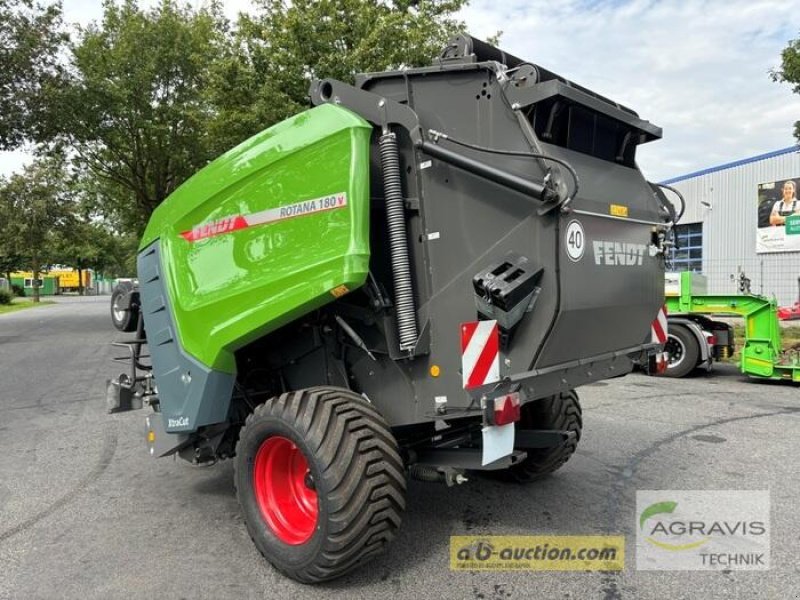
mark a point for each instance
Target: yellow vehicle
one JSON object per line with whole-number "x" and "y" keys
{"x": 68, "y": 279}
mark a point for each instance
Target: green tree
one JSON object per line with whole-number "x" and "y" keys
{"x": 789, "y": 72}
{"x": 83, "y": 244}
{"x": 120, "y": 255}
{"x": 86, "y": 239}
{"x": 155, "y": 94}
{"x": 284, "y": 45}
{"x": 136, "y": 110}
{"x": 10, "y": 260}
{"x": 34, "y": 204}
{"x": 31, "y": 35}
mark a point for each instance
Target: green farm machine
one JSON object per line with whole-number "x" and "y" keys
{"x": 696, "y": 337}
{"x": 409, "y": 279}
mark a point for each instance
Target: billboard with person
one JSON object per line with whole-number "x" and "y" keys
{"x": 778, "y": 216}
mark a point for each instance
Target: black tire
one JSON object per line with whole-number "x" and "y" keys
{"x": 357, "y": 474}
{"x": 560, "y": 412}
{"x": 123, "y": 319}
{"x": 683, "y": 352}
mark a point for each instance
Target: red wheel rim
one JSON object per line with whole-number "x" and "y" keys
{"x": 282, "y": 483}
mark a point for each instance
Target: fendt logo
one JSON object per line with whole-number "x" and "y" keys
{"x": 218, "y": 227}
{"x": 621, "y": 254}
{"x": 271, "y": 215}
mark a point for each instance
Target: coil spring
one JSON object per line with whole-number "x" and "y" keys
{"x": 398, "y": 245}
{"x": 425, "y": 473}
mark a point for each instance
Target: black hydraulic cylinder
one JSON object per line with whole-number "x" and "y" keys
{"x": 476, "y": 167}
{"x": 484, "y": 51}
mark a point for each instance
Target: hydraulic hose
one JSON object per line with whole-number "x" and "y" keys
{"x": 679, "y": 215}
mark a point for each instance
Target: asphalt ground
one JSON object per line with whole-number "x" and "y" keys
{"x": 86, "y": 513}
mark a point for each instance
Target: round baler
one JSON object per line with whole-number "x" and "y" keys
{"x": 410, "y": 278}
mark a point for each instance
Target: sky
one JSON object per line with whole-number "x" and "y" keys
{"x": 700, "y": 70}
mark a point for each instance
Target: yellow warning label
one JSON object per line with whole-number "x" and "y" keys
{"x": 618, "y": 210}
{"x": 340, "y": 291}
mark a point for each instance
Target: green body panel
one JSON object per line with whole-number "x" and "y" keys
{"x": 254, "y": 265}
{"x": 762, "y": 352}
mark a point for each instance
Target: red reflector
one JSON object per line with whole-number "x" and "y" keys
{"x": 659, "y": 362}
{"x": 712, "y": 340}
{"x": 506, "y": 409}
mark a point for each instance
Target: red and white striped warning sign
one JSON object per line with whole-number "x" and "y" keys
{"x": 480, "y": 353}
{"x": 658, "y": 329}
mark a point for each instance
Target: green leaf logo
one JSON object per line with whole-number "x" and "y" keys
{"x": 656, "y": 509}
{"x": 660, "y": 508}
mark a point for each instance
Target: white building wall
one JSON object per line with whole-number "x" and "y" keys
{"x": 725, "y": 201}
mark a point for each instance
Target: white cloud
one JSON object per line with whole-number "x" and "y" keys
{"x": 82, "y": 11}
{"x": 697, "y": 69}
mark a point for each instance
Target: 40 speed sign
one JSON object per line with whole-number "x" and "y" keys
{"x": 575, "y": 240}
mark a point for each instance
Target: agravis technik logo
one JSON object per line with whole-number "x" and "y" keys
{"x": 702, "y": 530}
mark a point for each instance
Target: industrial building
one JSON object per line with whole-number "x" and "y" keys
{"x": 742, "y": 222}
